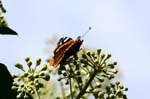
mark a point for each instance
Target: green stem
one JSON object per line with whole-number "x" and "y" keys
{"x": 62, "y": 89}
{"x": 29, "y": 95}
{"x": 37, "y": 94}
{"x": 71, "y": 88}
{"x": 87, "y": 84}
{"x": 38, "y": 97}
{"x": 69, "y": 76}
{"x": 34, "y": 69}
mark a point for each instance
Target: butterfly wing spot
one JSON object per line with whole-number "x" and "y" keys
{"x": 61, "y": 40}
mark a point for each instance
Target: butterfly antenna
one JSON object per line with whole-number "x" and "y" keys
{"x": 86, "y": 32}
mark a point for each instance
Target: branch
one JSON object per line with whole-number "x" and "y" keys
{"x": 87, "y": 84}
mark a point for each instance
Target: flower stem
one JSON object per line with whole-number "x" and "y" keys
{"x": 87, "y": 84}
{"x": 71, "y": 88}
{"x": 62, "y": 89}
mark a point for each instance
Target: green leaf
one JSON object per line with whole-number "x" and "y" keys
{"x": 6, "y": 82}
{"x": 7, "y": 31}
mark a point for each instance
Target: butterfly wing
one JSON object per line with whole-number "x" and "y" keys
{"x": 61, "y": 40}
{"x": 55, "y": 60}
{"x": 62, "y": 44}
{"x": 72, "y": 49}
{"x": 59, "y": 52}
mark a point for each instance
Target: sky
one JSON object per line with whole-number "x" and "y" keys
{"x": 119, "y": 27}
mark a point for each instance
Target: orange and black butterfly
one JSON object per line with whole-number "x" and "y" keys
{"x": 66, "y": 47}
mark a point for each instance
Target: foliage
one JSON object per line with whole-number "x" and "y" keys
{"x": 88, "y": 74}
{"x": 6, "y": 81}
{"x": 29, "y": 81}
{"x": 80, "y": 77}
{"x": 4, "y": 29}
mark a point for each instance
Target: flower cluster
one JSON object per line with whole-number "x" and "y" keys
{"x": 28, "y": 83}
{"x": 88, "y": 74}
{"x": 84, "y": 75}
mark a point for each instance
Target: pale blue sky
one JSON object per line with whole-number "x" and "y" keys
{"x": 121, "y": 27}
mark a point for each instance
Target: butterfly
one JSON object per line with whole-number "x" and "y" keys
{"x": 66, "y": 47}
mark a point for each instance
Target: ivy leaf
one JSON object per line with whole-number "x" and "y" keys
{"x": 6, "y": 81}
{"x": 4, "y": 30}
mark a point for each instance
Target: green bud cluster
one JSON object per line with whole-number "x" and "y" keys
{"x": 29, "y": 81}
{"x": 116, "y": 91}
{"x": 98, "y": 62}
{"x": 112, "y": 91}
{"x": 88, "y": 74}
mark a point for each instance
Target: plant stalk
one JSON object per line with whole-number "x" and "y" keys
{"x": 87, "y": 84}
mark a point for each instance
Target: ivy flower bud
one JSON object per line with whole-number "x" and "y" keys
{"x": 19, "y": 65}
{"x": 108, "y": 56}
{"x": 27, "y": 59}
{"x": 44, "y": 67}
{"x": 88, "y": 53}
{"x": 19, "y": 96}
{"x": 46, "y": 77}
{"x": 13, "y": 87}
{"x": 42, "y": 74}
{"x": 102, "y": 56}
{"x": 29, "y": 63}
{"x": 99, "y": 51}
{"x": 115, "y": 63}
{"x": 38, "y": 61}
